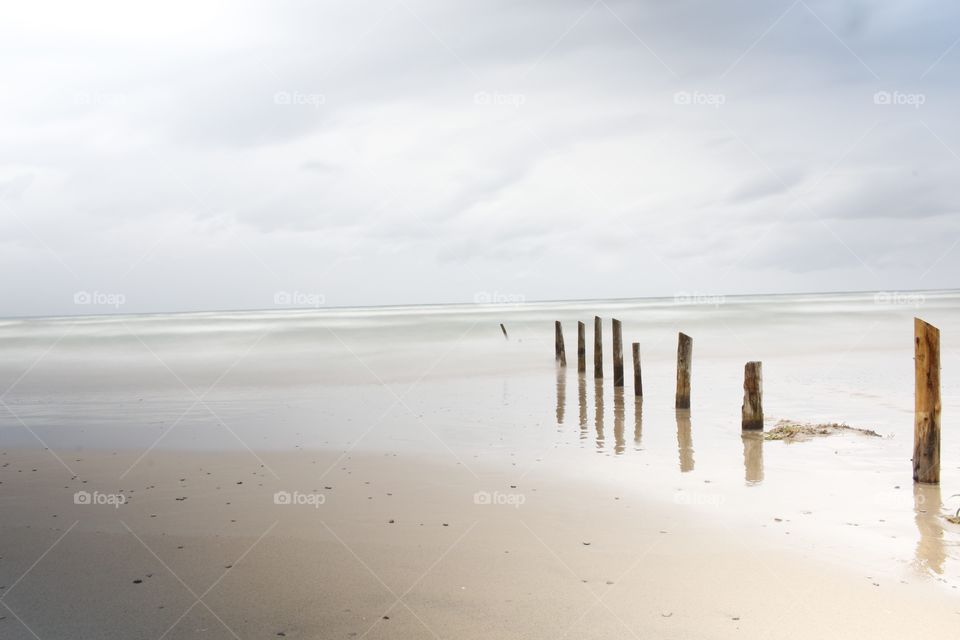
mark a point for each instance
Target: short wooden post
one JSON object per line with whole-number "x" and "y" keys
{"x": 637, "y": 381}
{"x": 581, "y": 348}
{"x": 752, "y": 409}
{"x": 926, "y": 424}
{"x": 561, "y": 352}
{"x": 597, "y": 347}
{"x": 684, "y": 364}
{"x": 617, "y": 353}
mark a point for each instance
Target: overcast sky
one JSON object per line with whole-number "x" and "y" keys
{"x": 199, "y": 155}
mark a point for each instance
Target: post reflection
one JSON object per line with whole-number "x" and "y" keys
{"x": 685, "y": 440}
{"x": 618, "y": 417}
{"x": 637, "y": 421}
{"x": 752, "y": 456}
{"x": 561, "y": 393}
{"x": 598, "y": 415}
{"x": 582, "y": 393}
{"x": 931, "y": 551}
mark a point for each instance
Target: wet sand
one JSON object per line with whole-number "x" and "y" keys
{"x": 405, "y": 546}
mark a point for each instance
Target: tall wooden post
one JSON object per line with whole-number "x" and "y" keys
{"x": 637, "y": 381}
{"x": 926, "y": 424}
{"x": 581, "y": 348}
{"x": 561, "y": 352}
{"x": 684, "y": 364}
{"x": 617, "y": 353}
{"x": 752, "y": 409}
{"x": 597, "y": 347}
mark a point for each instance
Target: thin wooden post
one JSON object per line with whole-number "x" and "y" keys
{"x": 504, "y": 329}
{"x": 752, "y": 409}
{"x": 637, "y": 381}
{"x": 926, "y": 425}
{"x": 581, "y": 348}
{"x": 617, "y": 353}
{"x": 597, "y": 347}
{"x": 684, "y": 364}
{"x": 561, "y": 352}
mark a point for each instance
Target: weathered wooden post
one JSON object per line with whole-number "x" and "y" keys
{"x": 617, "y": 353}
{"x": 597, "y": 347}
{"x": 637, "y": 381}
{"x": 752, "y": 409}
{"x": 581, "y": 347}
{"x": 926, "y": 424}
{"x": 504, "y": 329}
{"x": 561, "y": 352}
{"x": 684, "y": 364}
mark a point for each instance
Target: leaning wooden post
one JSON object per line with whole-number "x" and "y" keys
{"x": 926, "y": 424}
{"x": 617, "y": 353}
{"x": 597, "y": 347}
{"x": 752, "y": 409}
{"x": 684, "y": 362}
{"x": 561, "y": 352}
{"x": 581, "y": 348}
{"x": 637, "y": 381}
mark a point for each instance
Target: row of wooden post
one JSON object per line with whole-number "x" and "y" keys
{"x": 926, "y": 434}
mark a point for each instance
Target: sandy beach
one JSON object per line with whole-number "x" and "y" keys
{"x": 411, "y": 473}
{"x": 403, "y": 547}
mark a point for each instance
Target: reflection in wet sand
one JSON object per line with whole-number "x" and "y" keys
{"x": 685, "y": 440}
{"x": 618, "y": 415}
{"x": 637, "y": 421}
{"x": 598, "y": 416}
{"x": 931, "y": 551}
{"x": 582, "y": 392}
{"x": 752, "y": 456}
{"x": 561, "y": 393}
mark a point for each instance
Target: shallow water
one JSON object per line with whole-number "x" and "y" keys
{"x": 443, "y": 381}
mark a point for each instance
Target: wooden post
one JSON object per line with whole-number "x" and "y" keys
{"x": 558, "y": 345}
{"x": 684, "y": 364}
{"x": 504, "y": 329}
{"x": 581, "y": 348}
{"x": 617, "y": 353}
{"x": 637, "y": 381}
{"x": 926, "y": 424}
{"x": 752, "y": 409}
{"x": 597, "y": 347}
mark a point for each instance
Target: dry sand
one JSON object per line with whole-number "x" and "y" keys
{"x": 405, "y": 547}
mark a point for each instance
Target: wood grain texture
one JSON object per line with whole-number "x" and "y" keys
{"x": 926, "y": 424}
{"x": 581, "y": 347}
{"x": 752, "y": 408}
{"x": 684, "y": 369}
{"x": 617, "y": 353}
{"x": 561, "y": 352}
{"x": 597, "y": 347}
{"x": 637, "y": 379}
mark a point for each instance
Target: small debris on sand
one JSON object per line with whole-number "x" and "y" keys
{"x": 798, "y": 432}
